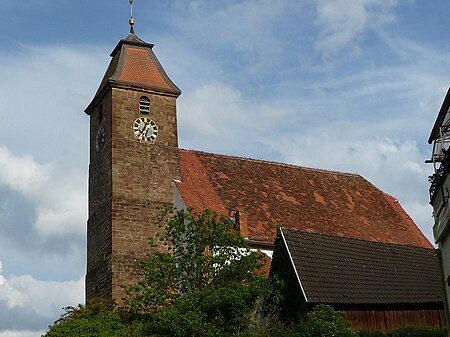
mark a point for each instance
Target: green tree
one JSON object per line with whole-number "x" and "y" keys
{"x": 201, "y": 279}
{"x": 201, "y": 251}
{"x": 236, "y": 310}
{"x": 97, "y": 320}
{"x": 203, "y": 282}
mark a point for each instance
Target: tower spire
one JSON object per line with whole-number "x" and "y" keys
{"x": 131, "y": 18}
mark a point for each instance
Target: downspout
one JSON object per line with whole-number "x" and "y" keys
{"x": 444, "y": 285}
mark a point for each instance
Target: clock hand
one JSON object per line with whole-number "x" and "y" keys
{"x": 142, "y": 126}
{"x": 149, "y": 133}
{"x": 144, "y": 130}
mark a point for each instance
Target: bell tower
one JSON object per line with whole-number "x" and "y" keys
{"x": 133, "y": 161}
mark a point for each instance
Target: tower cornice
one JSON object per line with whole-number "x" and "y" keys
{"x": 132, "y": 40}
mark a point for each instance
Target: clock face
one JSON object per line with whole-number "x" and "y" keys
{"x": 100, "y": 139}
{"x": 145, "y": 129}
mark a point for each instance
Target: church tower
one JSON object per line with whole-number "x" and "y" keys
{"x": 134, "y": 159}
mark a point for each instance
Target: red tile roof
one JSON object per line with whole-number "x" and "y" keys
{"x": 139, "y": 68}
{"x": 134, "y": 64}
{"x": 294, "y": 197}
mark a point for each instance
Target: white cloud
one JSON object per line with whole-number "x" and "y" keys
{"x": 387, "y": 162}
{"x": 219, "y": 113}
{"x": 421, "y": 212}
{"x": 43, "y": 101}
{"x": 44, "y": 132}
{"x": 21, "y": 333}
{"x": 246, "y": 36}
{"x": 340, "y": 21}
{"x": 43, "y": 180}
{"x": 47, "y": 297}
{"x": 59, "y": 197}
{"x": 22, "y": 173}
{"x": 343, "y": 23}
{"x": 39, "y": 302}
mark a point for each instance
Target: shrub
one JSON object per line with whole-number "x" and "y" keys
{"x": 94, "y": 321}
{"x": 324, "y": 321}
{"x": 406, "y": 332}
{"x": 222, "y": 311}
{"x": 417, "y": 332}
{"x": 202, "y": 251}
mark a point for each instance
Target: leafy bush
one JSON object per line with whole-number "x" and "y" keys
{"x": 231, "y": 311}
{"x": 417, "y": 332}
{"x": 407, "y": 332}
{"x": 205, "y": 285}
{"x": 93, "y": 321}
{"x": 173, "y": 322}
{"x": 324, "y": 321}
{"x": 222, "y": 311}
{"x": 203, "y": 251}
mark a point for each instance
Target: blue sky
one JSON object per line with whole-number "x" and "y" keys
{"x": 348, "y": 85}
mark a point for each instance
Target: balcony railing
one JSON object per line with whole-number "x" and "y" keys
{"x": 437, "y": 179}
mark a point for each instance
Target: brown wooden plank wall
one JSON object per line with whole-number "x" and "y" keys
{"x": 379, "y": 320}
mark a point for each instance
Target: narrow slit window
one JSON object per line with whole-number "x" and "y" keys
{"x": 144, "y": 105}
{"x": 100, "y": 114}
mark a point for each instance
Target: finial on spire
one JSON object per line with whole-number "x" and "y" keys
{"x": 131, "y": 18}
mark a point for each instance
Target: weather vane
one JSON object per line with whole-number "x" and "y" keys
{"x": 131, "y": 18}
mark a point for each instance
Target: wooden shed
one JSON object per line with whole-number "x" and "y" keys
{"x": 377, "y": 286}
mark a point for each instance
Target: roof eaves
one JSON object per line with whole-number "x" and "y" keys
{"x": 440, "y": 118}
{"x": 293, "y": 265}
{"x": 100, "y": 92}
{"x": 125, "y": 84}
{"x": 261, "y": 244}
{"x": 163, "y": 73}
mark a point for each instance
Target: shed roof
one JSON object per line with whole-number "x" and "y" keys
{"x": 337, "y": 270}
{"x": 294, "y": 197}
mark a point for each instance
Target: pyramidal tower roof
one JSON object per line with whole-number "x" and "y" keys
{"x": 134, "y": 62}
{"x": 134, "y": 65}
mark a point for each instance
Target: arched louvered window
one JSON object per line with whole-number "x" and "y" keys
{"x": 144, "y": 105}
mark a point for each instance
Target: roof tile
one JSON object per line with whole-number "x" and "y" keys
{"x": 339, "y": 270}
{"x": 295, "y": 197}
{"x": 139, "y": 68}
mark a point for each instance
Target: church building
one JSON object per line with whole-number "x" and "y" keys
{"x": 137, "y": 168}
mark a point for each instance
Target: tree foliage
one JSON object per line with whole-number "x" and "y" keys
{"x": 203, "y": 283}
{"x": 218, "y": 311}
{"x": 324, "y": 321}
{"x": 212, "y": 312}
{"x": 97, "y": 320}
{"x": 201, "y": 251}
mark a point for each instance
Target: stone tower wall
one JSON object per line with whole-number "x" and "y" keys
{"x": 142, "y": 176}
{"x": 99, "y": 234}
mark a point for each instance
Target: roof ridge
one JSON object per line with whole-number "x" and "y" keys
{"x": 379, "y": 243}
{"x": 272, "y": 162}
